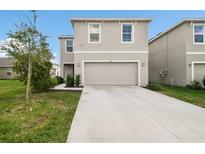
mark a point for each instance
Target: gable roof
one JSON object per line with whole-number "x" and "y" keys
{"x": 175, "y": 26}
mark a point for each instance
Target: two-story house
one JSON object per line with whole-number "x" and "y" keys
{"x": 177, "y": 56}
{"x": 107, "y": 51}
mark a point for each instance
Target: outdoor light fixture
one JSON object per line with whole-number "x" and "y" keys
{"x": 143, "y": 64}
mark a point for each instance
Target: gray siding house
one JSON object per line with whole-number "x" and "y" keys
{"x": 106, "y": 51}
{"x": 177, "y": 56}
{"x": 6, "y": 71}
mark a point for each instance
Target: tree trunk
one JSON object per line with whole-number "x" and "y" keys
{"x": 28, "y": 88}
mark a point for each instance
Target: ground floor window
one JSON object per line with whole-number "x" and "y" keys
{"x": 8, "y": 72}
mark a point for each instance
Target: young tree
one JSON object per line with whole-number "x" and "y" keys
{"x": 28, "y": 46}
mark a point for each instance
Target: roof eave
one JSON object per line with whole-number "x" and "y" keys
{"x": 66, "y": 37}
{"x": 176, "y": 25}
{"x": 110, "y": 19}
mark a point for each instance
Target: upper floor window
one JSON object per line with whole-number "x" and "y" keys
{"x": 69, "y": 45}
{"x": 199, "y": 34}
{"x": 94, "y": 33}
{"x": 127, "y": 33}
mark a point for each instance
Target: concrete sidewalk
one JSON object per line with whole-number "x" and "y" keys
{"x": 61, "y": 87}
{"x": 135, "y": 114}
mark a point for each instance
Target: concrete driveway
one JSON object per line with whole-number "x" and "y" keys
{"x": 135, "y": 114}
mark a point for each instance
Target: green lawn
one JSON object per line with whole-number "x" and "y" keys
{"x": 47, "y": 118}
{"x": 196, "y": 97}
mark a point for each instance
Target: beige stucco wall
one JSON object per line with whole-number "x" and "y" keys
{"x": 110, "y": 37}
{"x": 157, "y": 58}
{"x": 78, "y": 58}
{"x": 66, "y": 57}
{"x": 169, "y": 51}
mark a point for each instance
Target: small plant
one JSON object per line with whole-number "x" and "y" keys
{"x": 195, "y": 84}
{"x": 203, "y": 81}
{"x": 77, "y": 80}
{"x": 189, "y": 86}
{"x": 69, "y": 81}
{"x": 54, "y": 82}
{"x": 154, "y": 87}
{"x": 60, "y": 80}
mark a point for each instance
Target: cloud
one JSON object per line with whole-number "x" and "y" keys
{"x": 54, "y": 54}
{"x": 55, "y": 59}
{"x": 3, "y": 54}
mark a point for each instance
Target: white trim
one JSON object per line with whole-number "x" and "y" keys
{"x": 192, "y": 67}
{"x": 114, "y": 61}
{"x": 110, "y": 52}
{"x": 193, "y": 34}
{"x": 68, "y": 63}
{"x": 195, "y": 53}
{"x": 100, "y": 25}
{"x": 110, "y": 19}
{"x": 65, "y": 37}
{"x": 132, "y": 34}
{"x": 65, "y": 49}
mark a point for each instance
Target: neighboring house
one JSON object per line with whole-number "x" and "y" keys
{"x": 107, "y": 51}
{"x": 177, "y": 56}
{"x": 6, "y": 64}
{"x": 6, "y": 71}
{"x": 55, "y": 70}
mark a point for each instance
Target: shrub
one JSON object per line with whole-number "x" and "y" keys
{"x": 189, "y": 86}
{"x": 77, "y": 80}
{"x": 40, "y": 79}
{"x": 60, "y": 80}
{"x": 54, "y": 82}
{"x": 44, "y": 85}
{"x": 195, "y": 84}
{"x": 203, "y": 81}
{"x": 154, "y": 87}
{"x": 70, "y": 81}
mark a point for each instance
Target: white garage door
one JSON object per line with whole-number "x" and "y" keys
{"x": 117, "y": 73}
{"x": 199, "y": 71}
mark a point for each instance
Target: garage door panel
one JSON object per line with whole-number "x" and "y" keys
{"x": 110, "y": 73}
{"x": 199, "y": 71}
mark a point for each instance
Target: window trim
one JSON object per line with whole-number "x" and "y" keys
{"x": 192, "y": 67}
{"x": 66, "y": 45}
{"x": 9, "y": 70}
{"x": 100, "y": 30}
{"x": 132, "y": 34}
{"x": 198, "y": 43}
